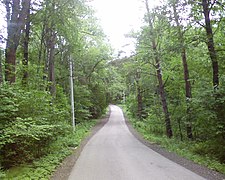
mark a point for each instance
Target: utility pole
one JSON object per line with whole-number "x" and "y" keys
{"x": 71, "y": 94}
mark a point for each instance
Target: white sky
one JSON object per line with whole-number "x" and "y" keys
{"x": 119, "y": 17}
{"x": 2, "y": 23}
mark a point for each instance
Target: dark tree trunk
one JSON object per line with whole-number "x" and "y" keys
{"x": 210, "y": 43}
{"x": 169, "y": 132}
{"x": 50, "y": 40}
{"x": 40, "y": 52}
{"x": 16, "y": 17}
{"x": 180, "y": 131}
{"x": 139, "y": 97}
{"x": 26, "y": 48}
{"x": 52, "y": 65}
{"x": 186, "y": 72}
{"x": 10, "y": 67}
{"x": 1, "y": 75}
{"x": 140, "y": 103}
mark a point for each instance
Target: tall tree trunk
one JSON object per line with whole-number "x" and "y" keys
{"x": 16, "y": 17}
{"x": 26, "y": 48}
{"x": 43, "y": 33}
{"x": 1, "y": 75}
{"x": 169, "y": 132}
{"x": 187, "y": 93}
{"x": 186, "y": 71}
{"x": 49, "y": 36}
{"x": 10, "y": 66}
{"x": 139, "y": 97}
{"x": 52, "y": 65}
{"x": 210, "y": 43}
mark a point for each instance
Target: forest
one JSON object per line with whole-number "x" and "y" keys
{"x": 172, "y": 87}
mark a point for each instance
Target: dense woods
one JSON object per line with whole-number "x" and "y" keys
{"x": 42, "y": 38}
{"x": 173, "y": 85}
{"x": 175, "y": 81}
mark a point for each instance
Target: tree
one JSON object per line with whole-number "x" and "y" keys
{"x": 1, "y": 75}
{"x": 26, "y": 47}
{"x": 210, "y": 41}
{"x": 169, "y": 132}
{"x": 16, "y": 19}
{"x": 180, "y": 36}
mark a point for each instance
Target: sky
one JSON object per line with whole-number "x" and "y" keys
{"x": 2, "y": 22}
{"x": 119, "y": 17}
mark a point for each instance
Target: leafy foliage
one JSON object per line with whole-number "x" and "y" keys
{"x": 35, "y": 109}
{"x": 182, "y": 41}
{"x": 43, "y": 167}
{"x": 30, "y": 127}
{"x": 190, "y": 150}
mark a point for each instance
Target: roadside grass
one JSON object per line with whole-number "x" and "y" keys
{"x": 182, "y": 148}
{"x": 44, "y": 167}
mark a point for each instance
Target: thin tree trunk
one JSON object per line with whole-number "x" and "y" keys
{"x": 139, "y": 97}
{"x": 1, "y": 75}
{"x": 210, "y": 43}
{"x": 26, "y": 48}
{"x": 50, "y": 38}
{"x": 186, "y": 72}
{"x": 140, "y": 104}
{"x": 42, "y": 42}
{"x": 180, "y": 131}
{"x": 169, "y": 132}
{"x": 52, "y": 65}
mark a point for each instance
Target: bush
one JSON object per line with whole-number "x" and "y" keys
{"x": 56, "y": 151}
{"x": 30, "y": 121}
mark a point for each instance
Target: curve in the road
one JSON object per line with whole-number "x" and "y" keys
{"x": 113, "y": 153}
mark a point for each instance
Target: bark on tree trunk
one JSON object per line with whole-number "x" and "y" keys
{"x": 40, "y": 52}
{"x": 140, "y": 105}
{"x": 210, "y": 43}
{"x": 1, "y": 75}
{"x": 52, "y": 66}
{"x": 139, "y": 97}
{"x": 169, "y": 132}
{"x": 10, "y": 67}
{"x": 186, "y": 72}
{"x": 26, "y": 48}
{"x": 16, "y": 17}
{"x": 50, "y": 38}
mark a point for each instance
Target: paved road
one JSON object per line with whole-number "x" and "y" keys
{"x": 113, "y": 153}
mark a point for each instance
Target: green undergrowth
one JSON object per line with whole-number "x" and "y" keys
{"x": 43, "y": 167}
{"x": 186, "y": 149}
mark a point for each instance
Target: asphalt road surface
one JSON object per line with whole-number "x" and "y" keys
{"x": 113, "y": 153}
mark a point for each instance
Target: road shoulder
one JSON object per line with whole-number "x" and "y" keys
{"x": 65, "y": 168}
{"x": 190, "y": 165}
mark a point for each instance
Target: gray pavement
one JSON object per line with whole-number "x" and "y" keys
{"x": 113, "y": 153}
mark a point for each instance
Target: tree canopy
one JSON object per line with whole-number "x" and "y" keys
{"x": 173, "y": 85}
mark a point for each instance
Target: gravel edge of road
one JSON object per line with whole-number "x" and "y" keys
{"x": 188, "y": 164}
{"x": 65, "y": 168}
